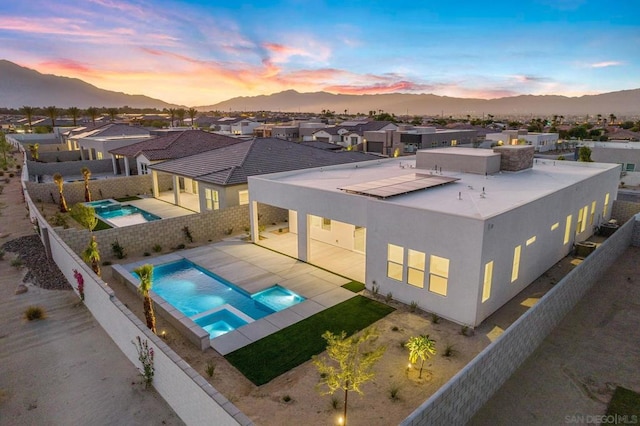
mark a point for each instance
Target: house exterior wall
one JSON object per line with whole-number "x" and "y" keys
{"x": 411, "y": 142}
{"x": 628, "y": 157}
{"x": 228, "y": 196}
{"x": 104, "y": 146}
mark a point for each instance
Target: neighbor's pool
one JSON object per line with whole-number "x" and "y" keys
{"x": 120, "y": 215}
{"x": 213, "y": 303}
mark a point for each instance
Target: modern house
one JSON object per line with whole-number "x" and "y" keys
{"x": 458, "y": 231}
{"x": 217, "y": 178}
{"x": 234, "y": 126}
{"x": 97, "y": 142}
{"x": 541, "y": 142}
{"x": 352, "y": 133}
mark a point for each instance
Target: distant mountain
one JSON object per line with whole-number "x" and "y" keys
{"x": 625, "y": 102}
{"x": 21, "y": 86}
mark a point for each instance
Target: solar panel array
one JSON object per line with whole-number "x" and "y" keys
{"x": 384, "y": 188}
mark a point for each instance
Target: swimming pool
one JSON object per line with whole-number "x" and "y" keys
{"x": 213, "y": 303}
{"x": 120, "y": 215}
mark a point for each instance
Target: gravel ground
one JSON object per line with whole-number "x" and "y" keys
{"x": 43, "y": 272}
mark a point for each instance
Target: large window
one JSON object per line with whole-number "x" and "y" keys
{"x": 488, "y": 277}
{"x": 606, "y": 204}
{"x": 567, "y": 229}
{"x": 243, "y": 197}
{"x": 593, "y": 212}
{"x": 213, "y": 203}
{"x": 438, "y": 274}
{"x": 579, "y": 223}
{"x": 415, "y": 268}
{"x": 395, "y": 261}
{"x": 516, "y": 263}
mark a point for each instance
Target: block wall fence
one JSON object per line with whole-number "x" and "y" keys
{"x": 622, "y": 211}
{"x": 462, "y": 396}
{"x": 193, "y": 399}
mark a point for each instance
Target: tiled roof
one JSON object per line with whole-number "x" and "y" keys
{"x": 231, "y": 165}
{"x": 323, "y": 145}
{"x": 176, "y": 145}
{"x": 110, "y": 130}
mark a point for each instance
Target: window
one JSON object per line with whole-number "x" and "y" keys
{"x": 434, "y": 144}
{"x": 488, "y": 277}
{"x": 212, "y": 199}
{"x": 454, "y": 142}
{"x": 567, "y": 229}
{"x": 326, "y": 224}
{"x": 243, "y": 197}
{"x": 143, "y": 169}
{"x": 606, "y": 204}
{"x": 395, "y": 261}
{"x": 415, "y": 268}
{"x": 630, "y": 167}
{"x": 585, "y": 214}
{"x": 438, "y": 274}
{"x": 516, "y": 263}
{"x": 579, "y": 223}
{"x": 593, "y": 213}
{"x": 555, "y": 226}
{"x": 98, "y": 155}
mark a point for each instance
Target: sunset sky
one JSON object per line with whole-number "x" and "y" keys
{"x": 198, "y": 53}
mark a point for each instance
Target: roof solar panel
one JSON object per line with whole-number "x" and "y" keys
{"x": 397, "y": 185}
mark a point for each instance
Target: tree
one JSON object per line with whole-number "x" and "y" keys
{"x": 59, "y": 181}
{"x": 612, "y": 119}
{"x": 74, "y": 112}
{"x": 113, "y": 113}
{"x": 52, "y": 111}
{"x": 584, "y": 154}
{"x": 93, "y": 113}
{"x": 172, "y": 112}
{"x": 86, "y": 175}
{"x": 145, "y": 272}
{"x": 420, "y": 347}
{"x": 192, "y": 115}
{"x": 91, "y": 255}
{"x": 84, "y": 215}
{"x": 4, "y": 148}
{"x": 29, "y": 111}
{"x": 348, "y": 362}
{"x": 33, "y": 150}
{"x": 180, "y": 112}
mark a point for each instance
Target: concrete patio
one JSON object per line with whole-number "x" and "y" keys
{"x": 254, "y": 269}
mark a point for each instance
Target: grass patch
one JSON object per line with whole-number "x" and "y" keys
{"x": 102, "y": 225}
{"x": 123, "y": 199}
{"x": 354, "y": 286}
{"x": 278, "y": 353}
{"x": 624, "y": 402}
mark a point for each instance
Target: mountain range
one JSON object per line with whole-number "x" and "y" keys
{"x": 21, "y": 86}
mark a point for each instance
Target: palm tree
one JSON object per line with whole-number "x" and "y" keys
{"x": 172, "y": 111}
{"x": 86, "y": 175}
{"x": 29, "y": 111}
{"x": 599, "y": 118}
{"x": 612, "y": 119}
{"x": 420, "y": 347}
{"x": 113, "y": 112}
{"x": 33, "y": 150}
{"x": 93, "y": 113}
{"x": 180, "y": 114}
{"x": 145, "y": 272}
{"x": 57, "y": 178}
{"x": 52, "y": 111}
{"x": 74, "y": 112}
{"x": 192, "y": 115}
{"x": 91, "y": 255}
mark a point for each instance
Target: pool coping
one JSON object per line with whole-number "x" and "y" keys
{"x": 121, "y": 204}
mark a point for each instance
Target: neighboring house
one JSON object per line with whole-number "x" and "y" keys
{"x": 307, "y": 129}
{"x": 97, "y": 143}
{"x": 233, "y": 125}
{"x": 352, "y": 133}
{"x": 458, "y": 244}
{"x": 627, "y": 154}
{"x": 172, "y": 145}
{"x": 289, "y": 133}
{"x": 217, "y": 178}
{"x": 411, "y": 140}
{"x": 541, "y": 142}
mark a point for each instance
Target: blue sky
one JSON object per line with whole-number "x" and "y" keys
{"x": 201, "y": 52}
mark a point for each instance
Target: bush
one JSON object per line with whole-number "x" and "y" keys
{"x": 157, "y": 248}
{"x": 59, "y": 220}
{"x": 34, "y": 313}
{"x": 17, "y": 263}
{"x": 413, "y": 306}
{"x": 394, "y": 391}
{"x": 389, "y": 297}
{"x": 435, "y": 318}
{"x": 286, "y": 398}
{"x": 118, "y": 250}
{"x": 210, "y": 368}
{"x": 449, "y": 351}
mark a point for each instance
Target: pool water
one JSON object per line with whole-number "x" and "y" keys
{"x": 120, "y": 215}
{"x": 200, "y": 294}
{"x": 100, "y": 203}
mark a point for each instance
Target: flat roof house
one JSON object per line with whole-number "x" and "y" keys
{"x": 459, "y": 231}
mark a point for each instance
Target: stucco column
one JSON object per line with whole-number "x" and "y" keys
{"x": 127, "y": 170}
{"x": 90, "y": 153}
{"x": 176, "y": 190}
{"x": 253, "y": 219}
{"x": 304, "y": 230}
{"x": 154, "y": 183}
{"x": 81, "y": 152}
{"x": 113, "y": 163}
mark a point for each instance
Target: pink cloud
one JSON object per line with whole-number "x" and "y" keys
{"x": 65, "y": 65}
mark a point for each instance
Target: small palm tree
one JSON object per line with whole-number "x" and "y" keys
{"x": 93, "y": 113}
{"x": 86, "y": 175}
{"x": 172, "y": 111}
{"x": 74, "y": 112}
{"x": 180, "y": 112}
{"x": 91, "y": 255}
{"x": 59, "y": 181}
{"x": 29, "y": 111}
{"x": 145, "y": 272}
{"x": 192, "y": 115}
{"x": 113, "y": 112}
{"x": 33, "y": 150}
{"x": 420, "y": 347}
{"x": 52, "y": 111}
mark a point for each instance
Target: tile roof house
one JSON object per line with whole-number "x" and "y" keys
{"x": 219, "y": 176}
{"x": 99, "y": 140}
{"x": 351, "y": 133}
{"x": 173, "y": 145}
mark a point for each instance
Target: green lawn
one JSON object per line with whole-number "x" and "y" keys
{"x": 354, "y": 286}
{"x": 278, "y": 353}
{"x": 101, "y": 225}
{"x": 624, "y": 402}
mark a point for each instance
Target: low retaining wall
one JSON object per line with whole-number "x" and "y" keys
{"x": 462, "y": 396}
{"x": 193, "y": 399}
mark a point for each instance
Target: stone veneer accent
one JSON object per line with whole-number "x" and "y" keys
{"x": 515, "y": 157}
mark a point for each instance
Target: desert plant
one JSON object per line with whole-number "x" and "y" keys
{"x": 210, "y": 368}
{"x": 187, "y": 234}
{"x": 287, "y": 398}
{"x": 145, "y": 356}
{"x": 59, "y": 220}
{"x": 17, "y": 263}
{"x": 389, "y": 297}
{"x": 335, "y": 402}
{"x": 413, "y": 306}
{"x": 449, "y": 351}
{"x": 228, "y": 231}
{"x": 420, "y": 347}
{"x": 157, "y": 248}
{"x": 84, "y": 215}
{"x": 394, "y": 391}
{"x": 86, "y": 175}
{"x": 118, "y": 250}
{"x": 395, "y": 328}
{"x": 435, "y": 318}
{"x": 91, "y": 255}
{"x": 59, "y": 181}
{"x": 145, "y": 272}
{"x": 34, "y": 313}
{"x": 466, "y": 331}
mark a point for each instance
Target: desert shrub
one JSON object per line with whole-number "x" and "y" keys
{"x": 118, "y": 250}
{"x": 210, "y": 368}
{"x": 34, "y": 313}
{"x": 157, "y": 248}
